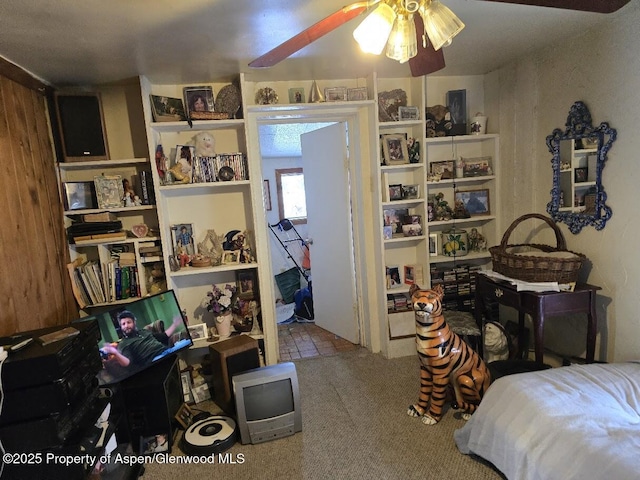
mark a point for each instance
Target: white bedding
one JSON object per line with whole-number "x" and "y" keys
{"x": 577, "y": 422}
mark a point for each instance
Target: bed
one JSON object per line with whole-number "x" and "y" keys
{"x": 575, "y": 422}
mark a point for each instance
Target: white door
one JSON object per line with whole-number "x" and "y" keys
{"x": 326, "y": 184}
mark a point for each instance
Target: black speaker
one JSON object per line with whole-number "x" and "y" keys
{"x": 81, "y": 125}
{"x": 151, "y": 400}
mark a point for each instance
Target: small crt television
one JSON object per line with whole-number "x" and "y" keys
{"x": 267, "y": 403}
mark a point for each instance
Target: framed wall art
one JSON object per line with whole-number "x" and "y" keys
{"x": 457, "y": 105}
{"x": 296, "y": 95}
{"x": 475, "y": 201}
{"x": 357, "y": 94}
{"x": 394, "y": 148}
{"x": 198, "y": 99}
{"x": 109, "y": 191}
{"x": 335, "y": 94}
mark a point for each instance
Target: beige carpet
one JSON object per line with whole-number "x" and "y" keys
{"x": 355, "y": 426}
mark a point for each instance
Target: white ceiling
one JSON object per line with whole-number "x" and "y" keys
{"x": 71, "y": 42}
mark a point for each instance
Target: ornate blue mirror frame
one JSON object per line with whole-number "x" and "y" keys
{"x": 579, "y": 155}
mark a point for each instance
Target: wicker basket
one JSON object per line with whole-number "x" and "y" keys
{"x": 536, "y": 268}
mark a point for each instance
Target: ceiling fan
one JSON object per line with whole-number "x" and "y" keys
{"x": 434, "y": 25}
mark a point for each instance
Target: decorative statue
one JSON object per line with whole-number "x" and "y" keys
{"x": 211, "y": 247}
{"x": 446, "y": 362}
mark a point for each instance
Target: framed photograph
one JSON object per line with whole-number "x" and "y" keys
{"x": 387, "y": 232}
{"x": 109, "y": 191}
{"x": 154, "y": 444}
{"x": 266, "y": 191}
{"x": 198, "y": 331}
{"x": 335, "y": 94}
{"x": 198, "y": 99}
{"x": 412, "y": 229}
{"x": 185, "y": 379}
{"x": 181, "y": 168}
{"x": 434, "y": 244}
{"x": 457, "y": 104}
{"x": 395, "y": 192}
{"x": 230, "y": 257}
{"x": 393, "y": 277}
{"x": 581, "y": 174}
{"x": 394, "y": 148}
{"x": 355, "y": 94}
{"x": 167, "y": 109}
{"x": 247, "y": 282}
{"x": 475, "y": 201}
{"x": 408, "y": 113}
{"x": 296, "y": 95}
{"x": 394, "y": 217}
{"x": 182, "y": 240}
{"x": 445, "y": 169}
{"x": 79, "y": 195}
{"x": 185, "y": 414}
{"x": 411, "y": 192}
{"x": 476, "y": 167}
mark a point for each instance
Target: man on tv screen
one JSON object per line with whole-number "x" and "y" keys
{"x": 140, "y": 347}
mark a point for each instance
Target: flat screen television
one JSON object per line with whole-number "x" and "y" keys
{"x": 136, "y": 335}
{"x": 267, "y": 403}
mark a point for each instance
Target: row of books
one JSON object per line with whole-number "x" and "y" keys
{"x": 398, "y": 302}
{"x": 207, "y": 169}
{"x": 93, "y": 283}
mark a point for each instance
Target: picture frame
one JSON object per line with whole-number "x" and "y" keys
{"x": 167, "y": 109}
{"x": 198, "y": 99}
{"x": 395, "y": 192}
{"x": 434, "y": 244}
{"x": 476, "y": 166}
{"x": 183, "y": 242}
{"x": 79, "y": 195}
{"x": 247, "y": 282}
{"x": 357, "y": 94}
{"x": 457, "y": 105}
{"x": 198, "y": 331}
{"x": 394, "y": 148}
{"x": 184, "y": 416}
{"x": 109, "y": 191}
{"x": 393, "y": 277}
{"x": 296, "y": 95}
{"x": 387, "y": 232}
{"x": 581, "y": 174}
{"x": 266, "y": 191}
{"x": 185, "y": 379}
{"x": 411, "y": 192}
{"x": 408, "y": 113}
{"x": 154, "y": 444}
{"x": 475, "y": 201}
{"x": 412, "y": 229}
{"x": 393, "y": 217}
{"x": 231, "y": 257}
{"x": 335, "y": 94}
{"x": 445, "y": 169}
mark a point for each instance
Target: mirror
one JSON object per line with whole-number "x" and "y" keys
{"x": 579, "y": 155}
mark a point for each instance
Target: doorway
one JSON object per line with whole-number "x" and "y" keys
{"x": 305, "y": 123}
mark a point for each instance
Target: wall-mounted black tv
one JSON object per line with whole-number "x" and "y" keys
{"x": 136, "y": 335}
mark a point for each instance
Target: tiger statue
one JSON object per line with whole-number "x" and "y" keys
{"x": 445, "y": 361}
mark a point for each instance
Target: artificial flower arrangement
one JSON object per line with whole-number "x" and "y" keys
{"x": 221, "y": 301}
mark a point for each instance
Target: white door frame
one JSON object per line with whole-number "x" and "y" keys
{"x": 362, "y": 145}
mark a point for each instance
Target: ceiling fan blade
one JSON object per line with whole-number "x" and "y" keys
{"x": 309, "y": 35}
{"x": 596, "y": 6}
{"x": 427, "y": 59}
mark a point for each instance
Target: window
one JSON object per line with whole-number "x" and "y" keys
{"x": 292, "y": 203}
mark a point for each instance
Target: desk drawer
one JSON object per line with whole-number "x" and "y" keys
{"x": 499, "y": 293}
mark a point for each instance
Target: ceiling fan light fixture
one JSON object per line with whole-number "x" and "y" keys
{"x": 403, "y": 44}
{"x": 440, "y": 23}
{"x": 374, "y": 30}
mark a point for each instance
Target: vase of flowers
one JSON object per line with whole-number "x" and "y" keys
{"x": 221, "y": 301}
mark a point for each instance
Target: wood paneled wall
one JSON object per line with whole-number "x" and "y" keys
{"x": 35, "y": 289}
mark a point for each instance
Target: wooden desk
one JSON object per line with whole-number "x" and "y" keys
{"x": 540, "y": 306}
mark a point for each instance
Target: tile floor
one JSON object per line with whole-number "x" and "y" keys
{"x": 303, "y": 340}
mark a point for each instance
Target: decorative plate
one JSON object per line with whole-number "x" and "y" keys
{"x": 266, "y": 96}
{"x": 228, "y": 100}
